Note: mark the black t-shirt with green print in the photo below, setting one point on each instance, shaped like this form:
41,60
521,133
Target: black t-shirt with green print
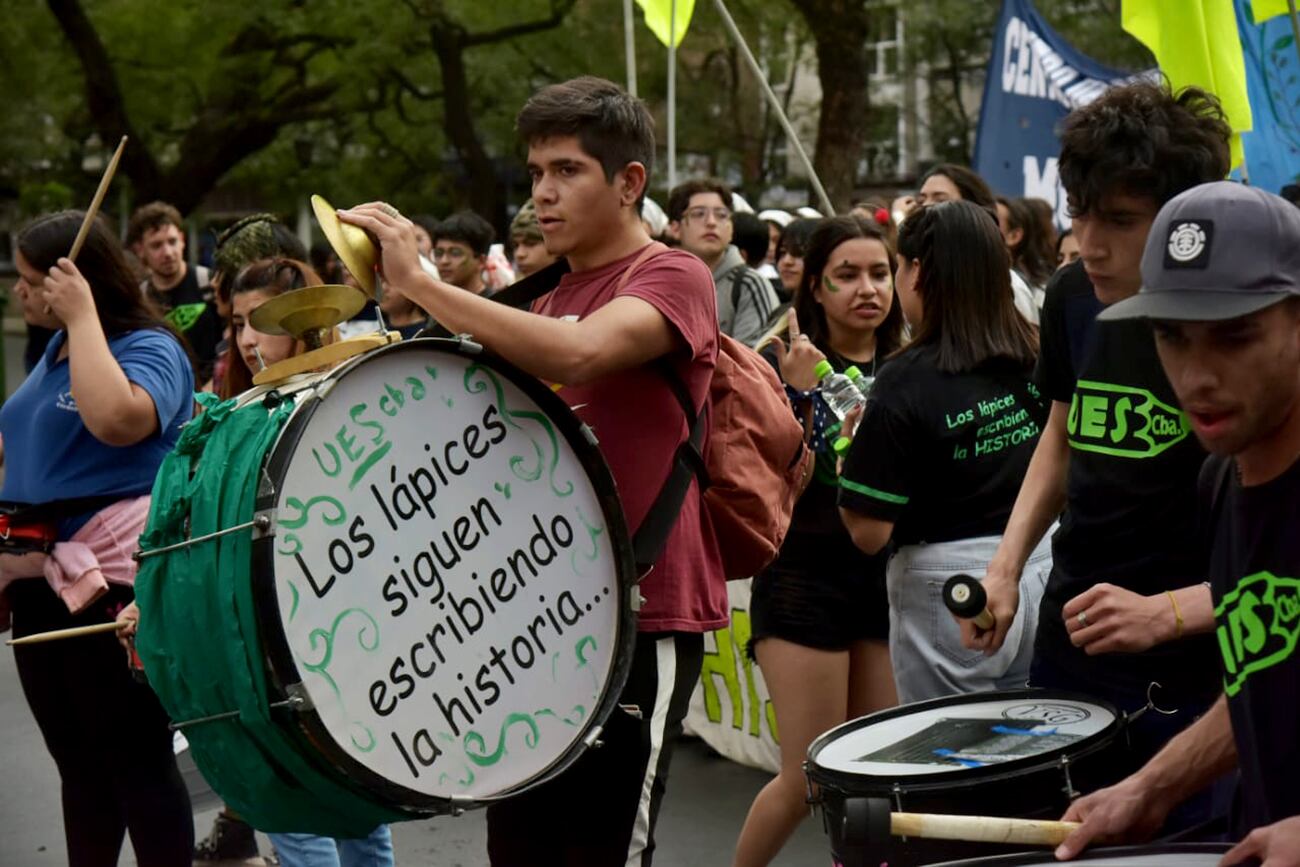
941,454
189,307
1255,576
1130,516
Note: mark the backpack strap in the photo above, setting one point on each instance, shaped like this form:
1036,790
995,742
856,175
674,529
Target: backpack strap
688,463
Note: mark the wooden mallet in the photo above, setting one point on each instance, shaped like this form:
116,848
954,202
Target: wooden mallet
964,595
868,822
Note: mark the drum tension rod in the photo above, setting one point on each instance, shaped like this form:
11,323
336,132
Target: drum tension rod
261,524
293,702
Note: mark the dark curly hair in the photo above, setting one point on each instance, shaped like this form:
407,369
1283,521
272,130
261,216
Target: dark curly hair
1142,138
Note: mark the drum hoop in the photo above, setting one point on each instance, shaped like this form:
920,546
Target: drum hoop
1044,857
859,783
284,670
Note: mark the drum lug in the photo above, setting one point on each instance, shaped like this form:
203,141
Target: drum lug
459,804
1069,789
263,524
588,434
898,801
298,699
592,741
265,487
467,344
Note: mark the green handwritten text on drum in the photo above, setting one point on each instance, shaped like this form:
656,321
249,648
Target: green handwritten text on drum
1258,626
360,448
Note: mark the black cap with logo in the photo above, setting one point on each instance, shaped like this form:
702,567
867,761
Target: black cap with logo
1216,252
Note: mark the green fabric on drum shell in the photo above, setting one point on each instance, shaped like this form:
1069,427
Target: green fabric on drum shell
198,637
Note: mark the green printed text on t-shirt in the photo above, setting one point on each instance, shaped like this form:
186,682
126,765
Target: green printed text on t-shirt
1258,626
1122,421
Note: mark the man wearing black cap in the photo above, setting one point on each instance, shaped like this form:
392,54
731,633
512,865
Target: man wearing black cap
1221,289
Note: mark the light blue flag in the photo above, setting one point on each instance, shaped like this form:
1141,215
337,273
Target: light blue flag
1273,84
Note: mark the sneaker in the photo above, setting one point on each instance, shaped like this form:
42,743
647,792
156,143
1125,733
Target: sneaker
229,840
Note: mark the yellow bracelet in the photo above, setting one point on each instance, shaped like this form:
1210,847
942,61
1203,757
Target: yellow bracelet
1178,615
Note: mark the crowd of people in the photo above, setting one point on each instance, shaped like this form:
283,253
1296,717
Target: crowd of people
1101,424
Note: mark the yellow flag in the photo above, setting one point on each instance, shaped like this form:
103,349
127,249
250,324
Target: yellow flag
659,14
1262,10
1196,43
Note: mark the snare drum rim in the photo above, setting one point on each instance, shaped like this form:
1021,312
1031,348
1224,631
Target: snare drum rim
285,671
1045,857
875,785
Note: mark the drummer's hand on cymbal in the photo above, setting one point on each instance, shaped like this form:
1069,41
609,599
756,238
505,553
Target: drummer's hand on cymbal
398,247
1115,620
129,617
1125,812
1276,845
1003,592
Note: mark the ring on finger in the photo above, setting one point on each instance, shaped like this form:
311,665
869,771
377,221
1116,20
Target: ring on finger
389,209
1082,617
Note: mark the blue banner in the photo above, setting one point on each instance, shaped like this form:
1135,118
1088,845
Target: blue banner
1273,84
1035,78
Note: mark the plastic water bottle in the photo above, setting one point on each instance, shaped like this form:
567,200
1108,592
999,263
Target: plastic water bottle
860,379
839,392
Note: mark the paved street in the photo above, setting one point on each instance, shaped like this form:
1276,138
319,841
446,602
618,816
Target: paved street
707,800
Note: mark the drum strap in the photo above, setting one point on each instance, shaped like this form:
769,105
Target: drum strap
518,295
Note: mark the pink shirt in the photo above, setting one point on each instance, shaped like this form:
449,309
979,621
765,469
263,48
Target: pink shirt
640,424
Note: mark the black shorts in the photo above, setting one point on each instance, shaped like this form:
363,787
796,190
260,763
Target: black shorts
820,600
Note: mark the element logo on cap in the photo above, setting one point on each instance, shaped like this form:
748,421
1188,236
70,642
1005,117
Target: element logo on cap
1187,242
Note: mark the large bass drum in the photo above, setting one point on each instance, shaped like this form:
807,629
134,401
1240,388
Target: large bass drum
396,589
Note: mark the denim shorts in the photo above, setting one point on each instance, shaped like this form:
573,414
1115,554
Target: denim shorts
925,641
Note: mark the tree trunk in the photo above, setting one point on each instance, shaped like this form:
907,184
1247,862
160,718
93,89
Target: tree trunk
839,29
486,192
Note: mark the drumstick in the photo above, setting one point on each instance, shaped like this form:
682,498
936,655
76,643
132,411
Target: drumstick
95,203
980,829
965,597
60,634
97,200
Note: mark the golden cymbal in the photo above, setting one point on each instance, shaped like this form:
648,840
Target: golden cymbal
305,313
354,247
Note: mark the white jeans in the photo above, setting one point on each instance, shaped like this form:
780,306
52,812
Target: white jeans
925,642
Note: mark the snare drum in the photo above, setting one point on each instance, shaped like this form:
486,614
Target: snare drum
400,588
1173,855
1019,753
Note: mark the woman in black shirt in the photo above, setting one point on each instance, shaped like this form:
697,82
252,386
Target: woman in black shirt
943,445
818,613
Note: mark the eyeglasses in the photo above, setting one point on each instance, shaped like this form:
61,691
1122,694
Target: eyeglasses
453,253
722,215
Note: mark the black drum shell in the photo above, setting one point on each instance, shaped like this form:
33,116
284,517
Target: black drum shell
1032,788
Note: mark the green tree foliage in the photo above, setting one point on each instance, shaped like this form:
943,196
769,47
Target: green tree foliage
234,106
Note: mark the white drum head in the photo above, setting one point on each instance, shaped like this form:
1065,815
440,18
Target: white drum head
946,738
446,571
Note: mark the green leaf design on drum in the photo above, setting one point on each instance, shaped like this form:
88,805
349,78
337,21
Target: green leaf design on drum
304,512
551,441
575,718
593,533
326,637
370,741
476,746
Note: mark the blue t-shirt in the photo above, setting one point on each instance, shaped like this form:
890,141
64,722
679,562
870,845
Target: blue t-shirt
49,453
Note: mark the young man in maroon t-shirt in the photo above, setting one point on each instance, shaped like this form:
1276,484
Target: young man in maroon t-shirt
590,150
